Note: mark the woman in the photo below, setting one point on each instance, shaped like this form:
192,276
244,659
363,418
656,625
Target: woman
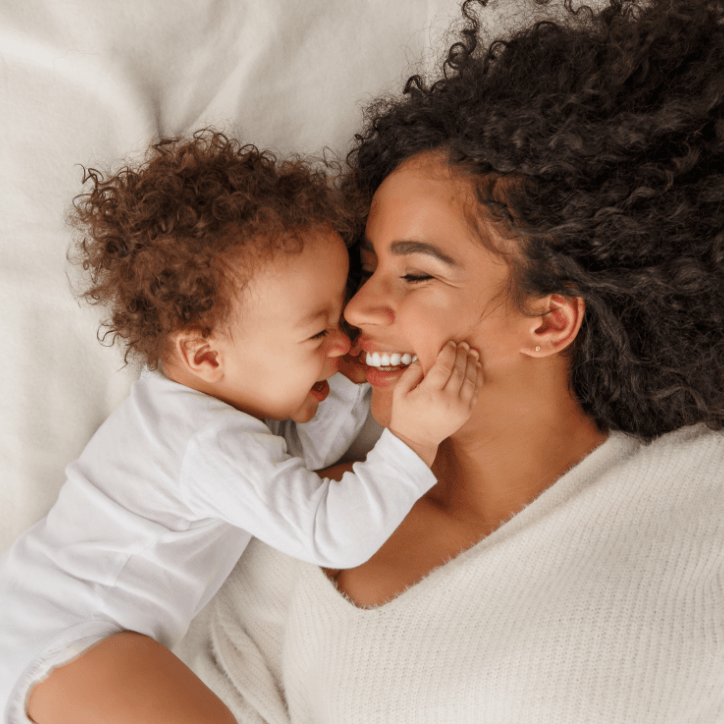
557,201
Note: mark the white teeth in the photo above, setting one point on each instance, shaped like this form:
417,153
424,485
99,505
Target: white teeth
375,359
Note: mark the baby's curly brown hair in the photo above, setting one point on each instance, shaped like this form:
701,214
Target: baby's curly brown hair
166,245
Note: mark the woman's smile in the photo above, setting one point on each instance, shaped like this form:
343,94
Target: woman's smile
385,361
383,378
381,365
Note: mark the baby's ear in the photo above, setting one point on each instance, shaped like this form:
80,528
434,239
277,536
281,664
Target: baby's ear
555,326
198,355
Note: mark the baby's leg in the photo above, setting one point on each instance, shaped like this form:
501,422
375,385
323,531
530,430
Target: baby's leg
126,679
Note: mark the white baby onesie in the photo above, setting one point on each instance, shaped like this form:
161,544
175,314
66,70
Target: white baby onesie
161,504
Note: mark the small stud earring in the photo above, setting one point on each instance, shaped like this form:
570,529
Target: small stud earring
537,349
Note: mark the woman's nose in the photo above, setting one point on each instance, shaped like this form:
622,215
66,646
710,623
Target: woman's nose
369,306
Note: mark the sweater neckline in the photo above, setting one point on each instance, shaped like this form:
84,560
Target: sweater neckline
611,451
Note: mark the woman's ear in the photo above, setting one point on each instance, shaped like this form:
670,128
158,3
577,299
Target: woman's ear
198,355
555,326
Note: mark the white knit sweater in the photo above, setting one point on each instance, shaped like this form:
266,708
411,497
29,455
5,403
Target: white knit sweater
602,602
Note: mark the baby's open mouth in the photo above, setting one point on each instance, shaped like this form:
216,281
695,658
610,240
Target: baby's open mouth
387,361
320,390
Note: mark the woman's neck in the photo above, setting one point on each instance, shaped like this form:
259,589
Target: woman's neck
523,435
507,456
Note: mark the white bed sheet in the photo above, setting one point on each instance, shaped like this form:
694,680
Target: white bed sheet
92,82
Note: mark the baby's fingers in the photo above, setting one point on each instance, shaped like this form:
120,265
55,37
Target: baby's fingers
439,374
458,374
473,379
410,378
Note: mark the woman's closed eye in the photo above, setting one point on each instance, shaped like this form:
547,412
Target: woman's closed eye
416,278
320,335
365,274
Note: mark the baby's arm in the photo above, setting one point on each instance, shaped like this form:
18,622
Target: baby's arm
326,438
254,485
129,678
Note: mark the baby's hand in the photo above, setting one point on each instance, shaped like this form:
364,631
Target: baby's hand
425,412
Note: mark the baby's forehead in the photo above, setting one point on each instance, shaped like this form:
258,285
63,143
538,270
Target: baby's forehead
298,289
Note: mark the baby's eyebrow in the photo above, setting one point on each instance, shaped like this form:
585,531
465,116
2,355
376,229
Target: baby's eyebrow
403,248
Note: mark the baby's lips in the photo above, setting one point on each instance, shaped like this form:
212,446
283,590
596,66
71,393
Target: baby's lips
352,367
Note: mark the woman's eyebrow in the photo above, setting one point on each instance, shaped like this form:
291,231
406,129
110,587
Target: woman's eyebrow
402,248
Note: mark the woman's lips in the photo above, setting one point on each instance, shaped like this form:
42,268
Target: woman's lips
382,378
356,366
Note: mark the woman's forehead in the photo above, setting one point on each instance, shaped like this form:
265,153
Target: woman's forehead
423,201
423,170
417,199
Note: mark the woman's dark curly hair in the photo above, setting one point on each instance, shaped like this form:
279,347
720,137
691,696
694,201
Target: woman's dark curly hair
596,141
166,245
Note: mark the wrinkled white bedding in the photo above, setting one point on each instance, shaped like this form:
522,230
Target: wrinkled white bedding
91,82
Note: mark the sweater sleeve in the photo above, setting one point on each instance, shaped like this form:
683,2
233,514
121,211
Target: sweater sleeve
248,480
323,440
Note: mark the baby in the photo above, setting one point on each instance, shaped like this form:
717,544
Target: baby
225,275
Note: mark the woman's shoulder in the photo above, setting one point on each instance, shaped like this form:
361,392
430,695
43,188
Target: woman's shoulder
678,477
693,451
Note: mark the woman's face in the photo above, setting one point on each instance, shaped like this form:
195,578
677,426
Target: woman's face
429,280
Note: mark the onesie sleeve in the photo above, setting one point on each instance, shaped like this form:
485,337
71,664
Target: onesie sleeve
323,440
249,480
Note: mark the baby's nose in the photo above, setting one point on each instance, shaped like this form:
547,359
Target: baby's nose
339,344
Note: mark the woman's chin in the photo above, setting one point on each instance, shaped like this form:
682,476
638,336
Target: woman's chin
381,405
383,383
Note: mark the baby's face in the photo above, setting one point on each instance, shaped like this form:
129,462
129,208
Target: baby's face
284,339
